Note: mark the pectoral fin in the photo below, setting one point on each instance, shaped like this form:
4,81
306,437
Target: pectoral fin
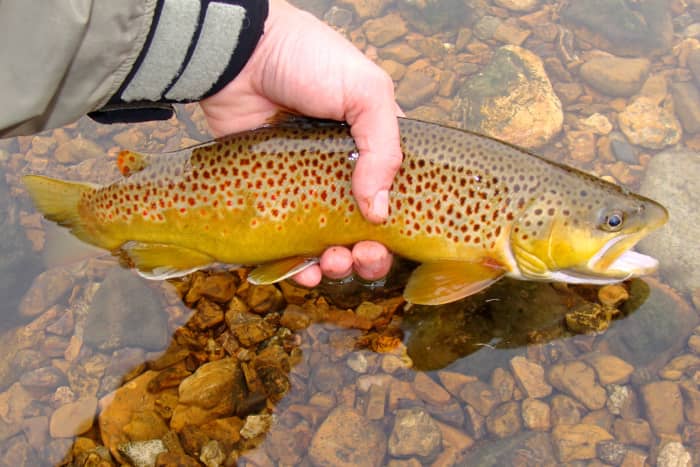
276,271
448,281
130,162
163,261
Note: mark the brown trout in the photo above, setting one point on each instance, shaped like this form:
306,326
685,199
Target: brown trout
470,208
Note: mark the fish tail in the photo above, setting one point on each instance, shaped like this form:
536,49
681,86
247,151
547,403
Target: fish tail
58,201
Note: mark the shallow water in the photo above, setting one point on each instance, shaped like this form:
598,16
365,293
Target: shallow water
520,374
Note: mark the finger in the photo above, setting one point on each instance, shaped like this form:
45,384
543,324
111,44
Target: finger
372,260
336,262
375,128
309,277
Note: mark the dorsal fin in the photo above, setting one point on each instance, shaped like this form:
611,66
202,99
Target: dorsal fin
130,162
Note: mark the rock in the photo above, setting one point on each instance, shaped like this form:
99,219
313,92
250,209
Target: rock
218,286
504,384
381,31
635,432
671,180
346,438
691,401
327,376
612,295
598,123
609,368
288,445
376,402
44,379
212,455
74,418
578,379
694,64
430,17
358,362
649,125
47,288
429,390
686,103
295,318
611,452
581,145
415,433
256,425
674,454
486,27
142,453
663,406
683,364
249,328
415,88
634,458
525,448
77,149
399,52
367,8
565,410
518,5
536,415
395,69
36,430
263,299
481,396
512,99
504,420
615,76
17,452
208,315
338,18
530,377
621,28
125,312
578,442
145,424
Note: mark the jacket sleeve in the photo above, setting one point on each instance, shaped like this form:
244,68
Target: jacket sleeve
125,60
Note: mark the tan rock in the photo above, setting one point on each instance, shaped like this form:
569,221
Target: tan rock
565,410
46,289
376,402
518,5
635,432
399,52
381,31
367,8
581,145
612,294
346,438
609,368
649,125
481,396
600,125
530,377
536,415
578,379
454,438
600,417
683,364
430,391
615,76
510,34
74,418
395,69
504,420
664,406
415,88
634,458
578,442
691,401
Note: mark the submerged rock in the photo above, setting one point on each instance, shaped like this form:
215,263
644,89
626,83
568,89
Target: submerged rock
615,76
649,125
125,312
512,99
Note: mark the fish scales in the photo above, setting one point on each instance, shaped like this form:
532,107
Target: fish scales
284,191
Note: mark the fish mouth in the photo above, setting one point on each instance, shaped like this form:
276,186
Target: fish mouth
617,259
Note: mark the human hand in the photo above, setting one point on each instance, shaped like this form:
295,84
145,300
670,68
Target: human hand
303,65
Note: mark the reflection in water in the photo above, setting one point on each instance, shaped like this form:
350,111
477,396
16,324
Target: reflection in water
209,370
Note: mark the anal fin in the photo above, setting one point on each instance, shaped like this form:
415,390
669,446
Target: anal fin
448,281
276,271
164,261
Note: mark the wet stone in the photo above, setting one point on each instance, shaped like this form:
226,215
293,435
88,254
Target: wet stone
530,377
248,328
47,288
691,401
622,150
686,103
142,453
454,382
481,396
289,445
415,88
504,384
663,405
615,76
682,365
125,312
395,69
578,379
565,410
357,361
17,452
504,420
43,379
611,452
610,369
622,400
376,402
649,125
264,299
399,52
536,415
578,442
74,418
430,391
415,433
346,438
256,425
635,432
381,31
208,315
674,454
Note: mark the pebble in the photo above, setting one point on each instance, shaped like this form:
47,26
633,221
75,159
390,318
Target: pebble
504,383
686,103
609,368
395,69
663,406
376,402
347,438
256,425
578,442
530,377
358,362
415,433
615,76
691,401
694,64
674,454
504,420
565,410
678,366
399,52
74,418
430,391
518,5
481,396
649,125
381,31
367,8
142,453
634,431
581,145
76,150
578,380
415,88
46,289
536,415
611,452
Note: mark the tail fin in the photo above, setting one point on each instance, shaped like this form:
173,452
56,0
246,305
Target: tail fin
58,201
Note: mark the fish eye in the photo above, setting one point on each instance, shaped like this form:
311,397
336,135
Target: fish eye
612,221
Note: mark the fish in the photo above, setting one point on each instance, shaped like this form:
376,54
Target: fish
469,208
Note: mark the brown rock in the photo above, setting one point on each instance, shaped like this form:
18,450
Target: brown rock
683,364
47,288
287,446
264,298
77,149
145,425
686,103
209,384
530,377
219,287
208,315
510,34
504,383
399,52
664,406
504,420
536,415
578,442
518,5
615,76
565,410
609,368
415,88
578,379
691,401
634,458
647,124
415,433
601,417
612,295
74,418
481,396
395,69
635,432
454,438
376,402
346,438
367,8
581,145
454,382
381,31
429,390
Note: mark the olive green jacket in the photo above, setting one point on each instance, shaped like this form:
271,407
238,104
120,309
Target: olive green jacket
60,59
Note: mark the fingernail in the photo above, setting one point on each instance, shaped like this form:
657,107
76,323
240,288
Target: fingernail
380,205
